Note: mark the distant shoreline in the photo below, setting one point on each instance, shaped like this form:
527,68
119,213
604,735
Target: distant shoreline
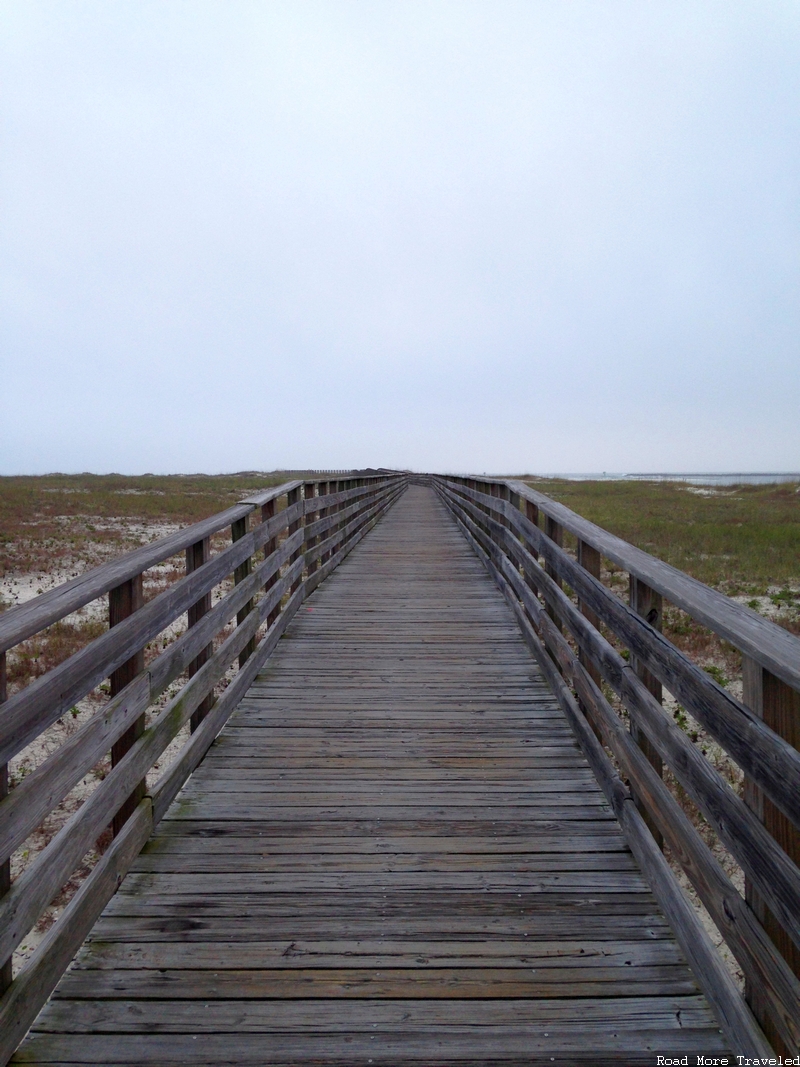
695,479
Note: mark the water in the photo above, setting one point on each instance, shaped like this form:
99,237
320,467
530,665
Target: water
692,479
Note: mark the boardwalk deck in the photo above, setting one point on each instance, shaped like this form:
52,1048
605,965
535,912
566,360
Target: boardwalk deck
395,852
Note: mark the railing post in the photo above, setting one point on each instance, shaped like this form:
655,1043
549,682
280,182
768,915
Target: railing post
292,497
6,975
532,514
647,603
238,531
502,493
309,493
515,501
330,489
555,531
122,602
196,555
343,486
779,706
486,489
322,490
267,512
589,559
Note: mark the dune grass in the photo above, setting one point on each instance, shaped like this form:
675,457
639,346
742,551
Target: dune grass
54,518
742,539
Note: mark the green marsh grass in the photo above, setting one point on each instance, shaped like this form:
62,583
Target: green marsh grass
739,539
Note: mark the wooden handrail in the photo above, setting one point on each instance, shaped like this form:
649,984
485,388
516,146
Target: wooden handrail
771,761
24,620
755,850
264,598
767,643
500,519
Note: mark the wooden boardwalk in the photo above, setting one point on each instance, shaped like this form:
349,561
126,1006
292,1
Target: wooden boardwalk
395,852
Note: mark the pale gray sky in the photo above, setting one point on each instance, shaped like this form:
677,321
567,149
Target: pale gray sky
543,236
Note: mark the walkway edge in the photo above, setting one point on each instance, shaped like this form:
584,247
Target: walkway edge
735,1018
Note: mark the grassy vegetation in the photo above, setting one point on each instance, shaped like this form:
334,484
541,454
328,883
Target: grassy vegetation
59,517
741,539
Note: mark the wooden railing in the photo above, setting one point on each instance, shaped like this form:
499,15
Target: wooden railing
519,534
306,529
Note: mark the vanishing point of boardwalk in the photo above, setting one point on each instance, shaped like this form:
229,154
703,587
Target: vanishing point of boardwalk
395,852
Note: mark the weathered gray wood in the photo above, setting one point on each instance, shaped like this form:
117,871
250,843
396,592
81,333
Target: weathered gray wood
270,548
44,700
29,712
647,603
22,1001
239,530
331,489
777,877
417,795
347,537
413,1016
196,555
40,882
749,942
455,845
294,500
192,753
317,527
339,497
779,706
383,952
555,533
123,601
589,559
777,985
310,512
739,1025
769,644
269,496
174,659
47,785
766,757
360,509
478,928
42,879
475,1047
23,621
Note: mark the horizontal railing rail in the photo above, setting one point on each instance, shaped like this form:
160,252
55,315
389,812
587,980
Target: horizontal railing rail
767,643
306,529
567,633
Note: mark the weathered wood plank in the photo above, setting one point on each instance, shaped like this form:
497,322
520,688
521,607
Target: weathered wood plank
510,1046
360,982
299,953
467,928
31,988
412,1016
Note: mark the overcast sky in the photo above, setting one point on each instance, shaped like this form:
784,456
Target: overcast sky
476,236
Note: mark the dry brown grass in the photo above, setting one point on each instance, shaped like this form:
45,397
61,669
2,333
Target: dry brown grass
47,649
